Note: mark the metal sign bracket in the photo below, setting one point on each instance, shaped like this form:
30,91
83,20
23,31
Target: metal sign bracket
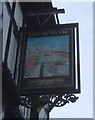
49,12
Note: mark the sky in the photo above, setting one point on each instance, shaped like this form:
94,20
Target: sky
82,13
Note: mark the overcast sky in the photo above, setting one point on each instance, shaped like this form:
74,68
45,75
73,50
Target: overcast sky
81,12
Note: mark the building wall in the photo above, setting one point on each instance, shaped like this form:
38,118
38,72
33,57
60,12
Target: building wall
43,114
6,20
18,15
13,42
13,49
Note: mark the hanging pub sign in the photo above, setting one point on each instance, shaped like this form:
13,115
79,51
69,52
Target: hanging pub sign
50,61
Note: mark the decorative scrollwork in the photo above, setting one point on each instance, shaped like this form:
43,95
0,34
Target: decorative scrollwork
52,101
40,100
26,101
61,100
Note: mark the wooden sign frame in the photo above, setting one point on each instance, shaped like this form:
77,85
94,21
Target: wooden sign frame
63,76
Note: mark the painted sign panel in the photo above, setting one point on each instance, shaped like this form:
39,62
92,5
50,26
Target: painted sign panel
49,61
47,57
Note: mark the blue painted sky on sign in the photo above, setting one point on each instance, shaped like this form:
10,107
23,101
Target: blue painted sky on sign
54,42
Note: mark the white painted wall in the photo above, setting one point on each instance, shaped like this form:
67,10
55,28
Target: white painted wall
42,114
13,44
12,53
6,20
18,15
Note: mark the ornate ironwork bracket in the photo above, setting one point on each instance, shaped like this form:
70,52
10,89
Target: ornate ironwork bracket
27,101
60,100
52,101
